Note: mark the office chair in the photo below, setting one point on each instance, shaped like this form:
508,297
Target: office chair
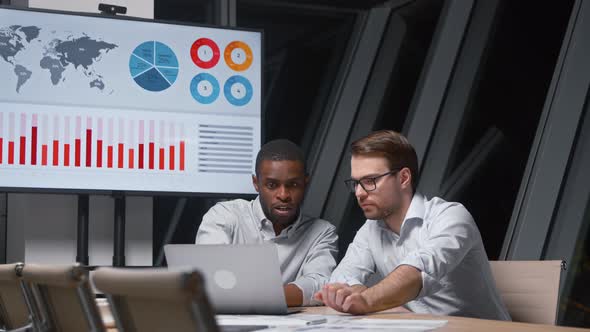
529,289
65,300
150,300
14,311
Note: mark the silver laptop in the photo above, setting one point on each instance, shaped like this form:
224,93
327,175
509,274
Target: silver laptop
239,279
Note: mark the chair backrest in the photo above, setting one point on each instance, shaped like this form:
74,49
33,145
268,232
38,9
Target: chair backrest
64,297
156,300
14,312
530,289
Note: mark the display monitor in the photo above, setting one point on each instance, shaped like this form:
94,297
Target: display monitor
94,102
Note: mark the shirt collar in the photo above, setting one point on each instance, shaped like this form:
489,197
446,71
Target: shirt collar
416,208
257,210
416,211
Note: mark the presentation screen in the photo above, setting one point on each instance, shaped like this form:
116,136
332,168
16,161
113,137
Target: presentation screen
91,102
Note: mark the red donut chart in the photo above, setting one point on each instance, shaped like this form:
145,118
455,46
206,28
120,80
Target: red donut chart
205,53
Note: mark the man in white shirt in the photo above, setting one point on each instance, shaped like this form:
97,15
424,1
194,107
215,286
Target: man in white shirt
429,253
307,246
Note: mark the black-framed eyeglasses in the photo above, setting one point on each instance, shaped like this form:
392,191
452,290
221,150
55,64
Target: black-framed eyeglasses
367,183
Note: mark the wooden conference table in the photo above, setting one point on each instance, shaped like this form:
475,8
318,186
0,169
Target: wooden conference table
454,324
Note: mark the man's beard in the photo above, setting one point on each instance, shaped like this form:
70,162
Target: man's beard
382,213
268,213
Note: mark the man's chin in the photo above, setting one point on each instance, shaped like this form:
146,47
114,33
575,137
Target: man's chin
283,220
373,216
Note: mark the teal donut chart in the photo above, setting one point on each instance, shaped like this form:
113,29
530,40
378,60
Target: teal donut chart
238,90
204,88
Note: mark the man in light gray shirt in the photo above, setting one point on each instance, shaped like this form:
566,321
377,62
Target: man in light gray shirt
429,252
307,246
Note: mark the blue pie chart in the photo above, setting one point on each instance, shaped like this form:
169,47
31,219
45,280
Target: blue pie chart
153,66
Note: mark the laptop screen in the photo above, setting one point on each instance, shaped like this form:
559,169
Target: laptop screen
239,279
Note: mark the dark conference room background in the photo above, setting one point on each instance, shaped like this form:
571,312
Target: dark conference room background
492,93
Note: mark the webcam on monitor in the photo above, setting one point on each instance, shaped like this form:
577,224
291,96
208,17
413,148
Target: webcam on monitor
111,9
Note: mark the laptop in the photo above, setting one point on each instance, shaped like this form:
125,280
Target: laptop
239,279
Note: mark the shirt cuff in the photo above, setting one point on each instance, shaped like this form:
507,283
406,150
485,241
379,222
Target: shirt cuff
342,278
308,289
430,285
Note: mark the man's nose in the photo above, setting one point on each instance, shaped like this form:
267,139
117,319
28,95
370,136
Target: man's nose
360,192
283,193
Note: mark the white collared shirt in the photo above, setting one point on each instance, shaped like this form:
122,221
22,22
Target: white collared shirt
307,248
441,240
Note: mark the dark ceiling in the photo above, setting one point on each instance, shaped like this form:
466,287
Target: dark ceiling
199,11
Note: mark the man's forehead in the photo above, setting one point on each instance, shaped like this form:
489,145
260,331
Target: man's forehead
365,166
292,167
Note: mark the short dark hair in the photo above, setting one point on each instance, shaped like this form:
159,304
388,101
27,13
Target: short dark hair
392,146
278,150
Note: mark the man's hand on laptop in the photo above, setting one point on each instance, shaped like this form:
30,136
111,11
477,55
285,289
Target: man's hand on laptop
293,295
344,298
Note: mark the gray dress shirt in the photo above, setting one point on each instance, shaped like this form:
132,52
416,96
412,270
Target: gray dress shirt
307,248
441,240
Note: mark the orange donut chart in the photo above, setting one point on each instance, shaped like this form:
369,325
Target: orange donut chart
247,52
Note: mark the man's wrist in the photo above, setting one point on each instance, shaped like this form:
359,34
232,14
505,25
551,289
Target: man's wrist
376,301
358,288
366,294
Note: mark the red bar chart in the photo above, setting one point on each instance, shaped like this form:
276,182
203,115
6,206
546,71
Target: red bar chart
54,140
67,146
10,139
44,141
1,137
34,129
23,138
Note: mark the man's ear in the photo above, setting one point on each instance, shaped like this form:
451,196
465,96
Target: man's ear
255,183
307,179
405,177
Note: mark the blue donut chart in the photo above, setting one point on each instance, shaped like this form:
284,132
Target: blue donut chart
203,99
227,90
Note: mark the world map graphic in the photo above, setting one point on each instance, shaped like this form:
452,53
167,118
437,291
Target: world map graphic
55,54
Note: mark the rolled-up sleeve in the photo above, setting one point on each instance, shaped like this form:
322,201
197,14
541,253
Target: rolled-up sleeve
446,244
216,226
318,265
358,263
